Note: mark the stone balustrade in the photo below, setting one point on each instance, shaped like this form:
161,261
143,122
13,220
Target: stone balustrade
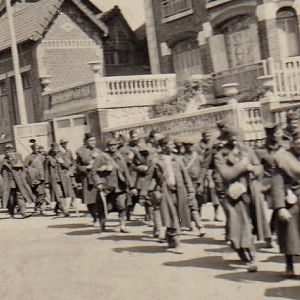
128,91
108,92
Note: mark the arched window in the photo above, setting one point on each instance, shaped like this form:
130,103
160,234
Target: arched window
241,40
288,32
186,59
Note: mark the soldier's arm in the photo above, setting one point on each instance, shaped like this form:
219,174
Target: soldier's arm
229,173
278,190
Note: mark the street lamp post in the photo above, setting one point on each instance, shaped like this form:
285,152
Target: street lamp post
16,65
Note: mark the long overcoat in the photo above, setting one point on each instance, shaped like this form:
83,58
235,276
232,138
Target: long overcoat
55,176
287,176
86,157
174,202
247,214
15,178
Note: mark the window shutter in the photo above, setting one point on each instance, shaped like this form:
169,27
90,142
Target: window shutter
218,52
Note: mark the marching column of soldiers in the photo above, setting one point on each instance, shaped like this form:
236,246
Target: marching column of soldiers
172,180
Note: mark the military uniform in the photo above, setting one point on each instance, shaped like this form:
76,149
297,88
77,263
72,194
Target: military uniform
111,178
16,191
35,165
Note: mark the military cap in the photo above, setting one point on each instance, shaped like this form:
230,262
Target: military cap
112,142
143,148
63,141
9,146
292,115
17,163
88,136
271,128
227,133
32,141
133,135
153,132
54,145
187,141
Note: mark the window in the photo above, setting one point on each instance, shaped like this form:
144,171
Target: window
241,40
288,32
79,121
25,76
63,123
117,57
173,7
186,59
3,90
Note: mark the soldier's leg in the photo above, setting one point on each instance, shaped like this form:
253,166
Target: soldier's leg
11,203
40,197
121,207
289,265
21,203
195,215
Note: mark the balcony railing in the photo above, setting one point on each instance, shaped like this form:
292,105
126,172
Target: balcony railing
109,92
286,76
246,76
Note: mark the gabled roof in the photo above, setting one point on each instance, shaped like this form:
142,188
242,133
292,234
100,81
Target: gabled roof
32,21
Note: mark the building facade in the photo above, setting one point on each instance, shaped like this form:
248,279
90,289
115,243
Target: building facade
225,38
57,41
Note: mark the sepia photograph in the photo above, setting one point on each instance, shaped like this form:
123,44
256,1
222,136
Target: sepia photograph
149,149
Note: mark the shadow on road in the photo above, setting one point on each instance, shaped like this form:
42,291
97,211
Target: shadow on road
210,262
141,249
261,276
292,292
202,241
70,226
279,258
120,238
87,232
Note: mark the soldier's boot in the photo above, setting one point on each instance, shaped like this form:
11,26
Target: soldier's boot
149,214
64,207
217,213
123,228
158,230
289,271
252,264
102,225
196,218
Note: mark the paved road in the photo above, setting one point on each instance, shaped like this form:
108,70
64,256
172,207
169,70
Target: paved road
57,258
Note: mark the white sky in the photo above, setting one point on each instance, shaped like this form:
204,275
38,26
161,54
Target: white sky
133,10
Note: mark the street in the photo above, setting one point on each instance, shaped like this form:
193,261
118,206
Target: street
55,258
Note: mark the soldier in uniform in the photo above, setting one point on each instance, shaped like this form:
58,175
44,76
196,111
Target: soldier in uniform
285,193
68,156
192,162
86,156
57,180
266,155
35,164
174,189
16,191
111,178
239,168
128,151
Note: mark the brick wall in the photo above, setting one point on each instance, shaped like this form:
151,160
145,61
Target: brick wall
71,42
168,31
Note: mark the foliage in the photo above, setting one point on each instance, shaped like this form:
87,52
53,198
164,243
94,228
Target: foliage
179,102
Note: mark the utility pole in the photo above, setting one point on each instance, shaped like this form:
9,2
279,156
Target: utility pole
16,65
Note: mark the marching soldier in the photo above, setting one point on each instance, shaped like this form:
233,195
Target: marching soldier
16,191
111,178
192,163
285,195
174,189
239,168
86,156
35,163
57,180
